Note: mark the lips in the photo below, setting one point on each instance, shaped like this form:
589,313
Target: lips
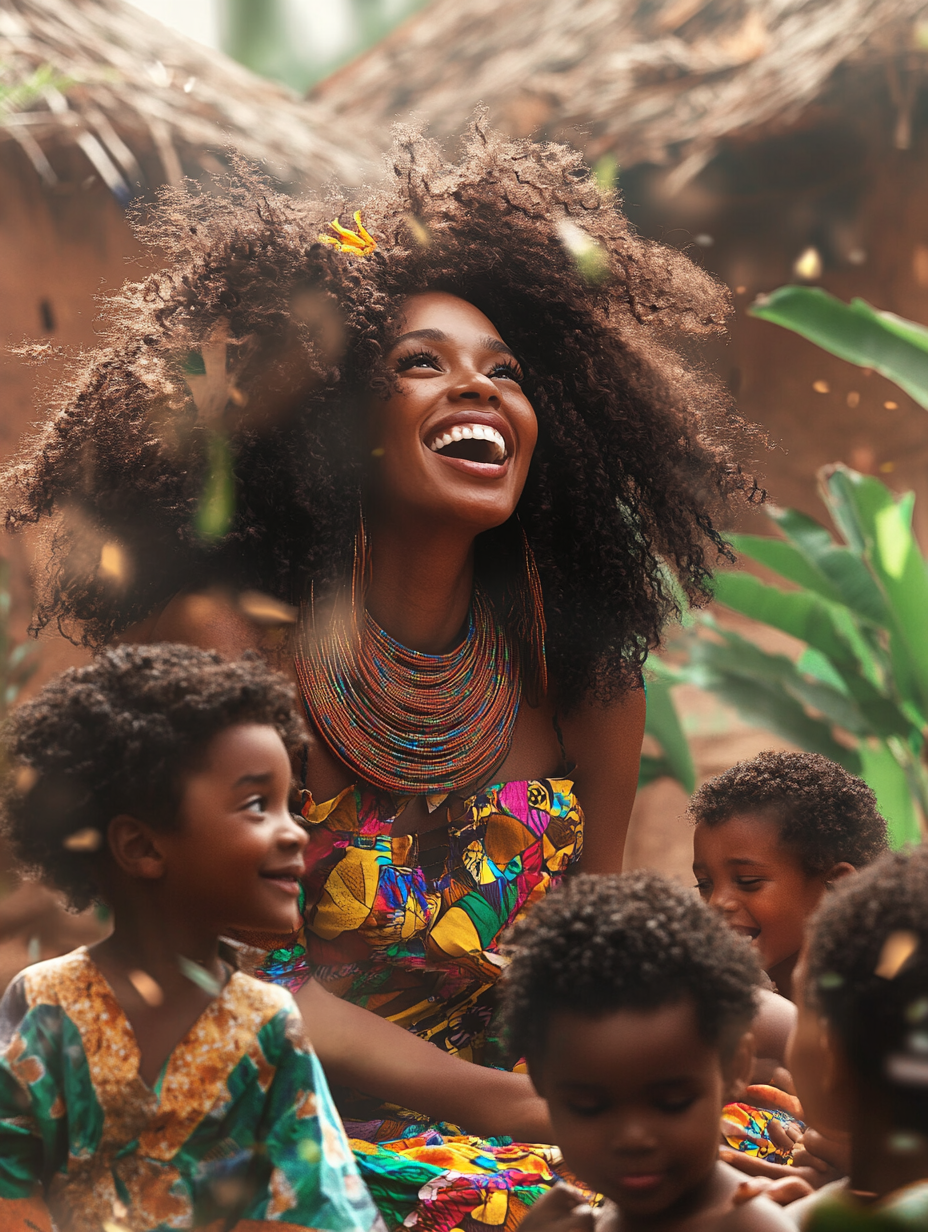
640,1182
286,879
743,931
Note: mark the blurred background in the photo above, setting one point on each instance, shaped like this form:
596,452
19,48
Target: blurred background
778,142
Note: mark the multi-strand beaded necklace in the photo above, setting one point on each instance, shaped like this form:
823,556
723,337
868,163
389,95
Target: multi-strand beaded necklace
407,722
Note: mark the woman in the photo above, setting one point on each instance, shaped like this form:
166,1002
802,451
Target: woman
458,443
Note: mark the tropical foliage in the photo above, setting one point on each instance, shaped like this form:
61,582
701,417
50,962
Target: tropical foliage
858,601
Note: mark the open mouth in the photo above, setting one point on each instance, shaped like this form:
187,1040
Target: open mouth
287,881
470,443
743,931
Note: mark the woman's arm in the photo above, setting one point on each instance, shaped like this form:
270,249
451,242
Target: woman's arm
360,1049
605,744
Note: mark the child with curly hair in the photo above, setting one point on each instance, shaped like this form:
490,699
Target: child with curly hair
633,1004
771,836
859,1051
145,1082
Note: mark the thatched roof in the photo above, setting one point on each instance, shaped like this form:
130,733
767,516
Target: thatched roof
659,81
148,106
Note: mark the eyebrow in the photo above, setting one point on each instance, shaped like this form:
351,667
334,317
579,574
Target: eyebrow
489,343
253,778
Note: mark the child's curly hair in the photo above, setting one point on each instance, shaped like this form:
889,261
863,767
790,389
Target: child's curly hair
625,941
633,466
118,736
826,816
876,1004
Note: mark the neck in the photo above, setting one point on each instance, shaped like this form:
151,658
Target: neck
881,1161
152,936
421,585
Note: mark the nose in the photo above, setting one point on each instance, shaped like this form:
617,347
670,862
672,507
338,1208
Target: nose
722,900
631,1135
476,387
291,834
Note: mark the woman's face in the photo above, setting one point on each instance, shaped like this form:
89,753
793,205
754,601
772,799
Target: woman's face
452,444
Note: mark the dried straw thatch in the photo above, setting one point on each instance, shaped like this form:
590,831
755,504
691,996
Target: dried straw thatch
659,81
147,106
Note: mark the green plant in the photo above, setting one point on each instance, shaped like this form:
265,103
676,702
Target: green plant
18,660
664,727
859,603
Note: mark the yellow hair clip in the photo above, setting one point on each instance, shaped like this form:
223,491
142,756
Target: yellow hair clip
361,244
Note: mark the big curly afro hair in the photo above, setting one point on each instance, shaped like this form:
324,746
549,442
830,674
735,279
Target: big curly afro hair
117,737
826,816
866,972
258,347
624,941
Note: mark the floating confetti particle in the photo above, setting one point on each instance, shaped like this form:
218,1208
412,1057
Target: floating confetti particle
113,562
378,452
88,839
830,980
741,290
217,503
148,989
199,975
34,949
419,231
920,264
265,609
891,406
821,387
309,1152
26,779
606,172
917,1011
808,265
887,468
897,949
918,1042
901,1143
909,1071
704,240
857,256
590,258
853,398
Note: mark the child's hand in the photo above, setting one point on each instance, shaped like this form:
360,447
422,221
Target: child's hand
829,1156
562,1209
784,1191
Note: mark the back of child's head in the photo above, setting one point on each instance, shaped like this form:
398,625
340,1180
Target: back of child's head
632,941
866,973
119,736
826,816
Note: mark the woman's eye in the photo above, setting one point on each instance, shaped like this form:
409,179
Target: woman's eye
508,372
421,359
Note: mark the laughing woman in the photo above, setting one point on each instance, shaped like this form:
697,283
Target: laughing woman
456,440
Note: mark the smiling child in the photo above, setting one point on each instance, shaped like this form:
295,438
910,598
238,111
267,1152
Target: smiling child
632,1004
145,1083
772,835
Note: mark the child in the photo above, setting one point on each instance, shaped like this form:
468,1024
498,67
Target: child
144,1083
859,1052
632,1004
772,834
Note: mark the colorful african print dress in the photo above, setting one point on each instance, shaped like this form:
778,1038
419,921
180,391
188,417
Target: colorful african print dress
415,938
239,1131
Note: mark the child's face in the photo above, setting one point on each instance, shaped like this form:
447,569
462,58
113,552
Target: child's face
635,1098
762,891
235,857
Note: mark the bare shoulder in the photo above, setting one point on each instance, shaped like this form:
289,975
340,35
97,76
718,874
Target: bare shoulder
210,619
620,721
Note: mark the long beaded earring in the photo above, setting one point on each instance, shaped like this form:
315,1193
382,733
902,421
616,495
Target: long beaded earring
360,574
528,613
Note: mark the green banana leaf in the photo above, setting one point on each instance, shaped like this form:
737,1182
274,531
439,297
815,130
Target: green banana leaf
867,510
663,725
896,348
890,784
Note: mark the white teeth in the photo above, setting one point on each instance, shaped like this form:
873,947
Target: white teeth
468,432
